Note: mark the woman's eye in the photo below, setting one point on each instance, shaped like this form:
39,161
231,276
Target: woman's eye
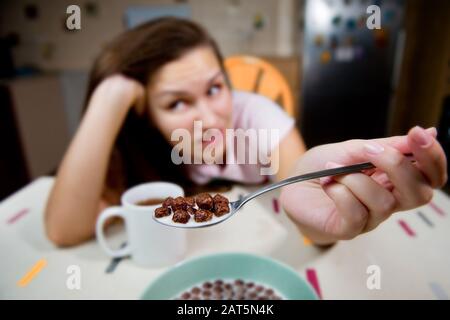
177,105
215,89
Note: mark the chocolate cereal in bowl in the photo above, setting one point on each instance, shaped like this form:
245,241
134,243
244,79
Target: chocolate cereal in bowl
230,276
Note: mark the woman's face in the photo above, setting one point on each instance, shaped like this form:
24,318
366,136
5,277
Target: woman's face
192,88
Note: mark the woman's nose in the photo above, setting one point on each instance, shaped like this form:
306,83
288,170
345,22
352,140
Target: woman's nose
206,114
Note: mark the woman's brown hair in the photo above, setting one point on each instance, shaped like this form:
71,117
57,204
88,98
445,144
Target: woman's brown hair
141,153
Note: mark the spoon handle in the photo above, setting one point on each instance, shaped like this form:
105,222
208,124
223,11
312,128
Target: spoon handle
313,175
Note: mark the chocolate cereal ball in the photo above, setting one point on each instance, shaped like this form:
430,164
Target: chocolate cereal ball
181,216
202,215
162,212
190,201
221,205
220,209
179,203
204,201
220,199
168,202
186,296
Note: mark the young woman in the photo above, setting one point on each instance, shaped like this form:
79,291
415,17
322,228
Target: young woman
166,75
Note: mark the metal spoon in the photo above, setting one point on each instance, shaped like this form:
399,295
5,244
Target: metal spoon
236,205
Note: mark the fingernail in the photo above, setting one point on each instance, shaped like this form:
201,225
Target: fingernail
421,137
432,131
373,148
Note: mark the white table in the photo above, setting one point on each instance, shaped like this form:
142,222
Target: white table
413,266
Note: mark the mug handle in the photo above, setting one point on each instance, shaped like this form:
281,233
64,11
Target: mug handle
108,213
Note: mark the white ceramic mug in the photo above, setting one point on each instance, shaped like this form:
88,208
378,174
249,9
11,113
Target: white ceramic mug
149,243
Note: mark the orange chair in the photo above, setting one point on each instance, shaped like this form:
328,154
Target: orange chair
253,74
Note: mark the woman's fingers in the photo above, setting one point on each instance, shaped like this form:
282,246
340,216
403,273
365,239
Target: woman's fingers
364,200
429,156
383,180
354,148
410,187
401,142
361,201
351,215
379,202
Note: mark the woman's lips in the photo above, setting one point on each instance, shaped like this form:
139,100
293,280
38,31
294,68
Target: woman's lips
214,139
205,143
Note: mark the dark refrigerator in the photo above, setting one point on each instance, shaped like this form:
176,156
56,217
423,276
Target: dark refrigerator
349,71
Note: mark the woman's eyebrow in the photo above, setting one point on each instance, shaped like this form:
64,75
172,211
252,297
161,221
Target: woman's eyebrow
211,80
172,93
185,93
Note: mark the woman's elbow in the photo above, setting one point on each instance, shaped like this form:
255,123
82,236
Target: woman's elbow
58,233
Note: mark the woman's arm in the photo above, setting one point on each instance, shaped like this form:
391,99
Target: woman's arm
291,148
75,199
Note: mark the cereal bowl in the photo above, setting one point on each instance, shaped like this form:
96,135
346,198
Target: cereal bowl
239,270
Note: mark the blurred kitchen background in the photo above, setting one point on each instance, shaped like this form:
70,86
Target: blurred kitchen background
347,81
